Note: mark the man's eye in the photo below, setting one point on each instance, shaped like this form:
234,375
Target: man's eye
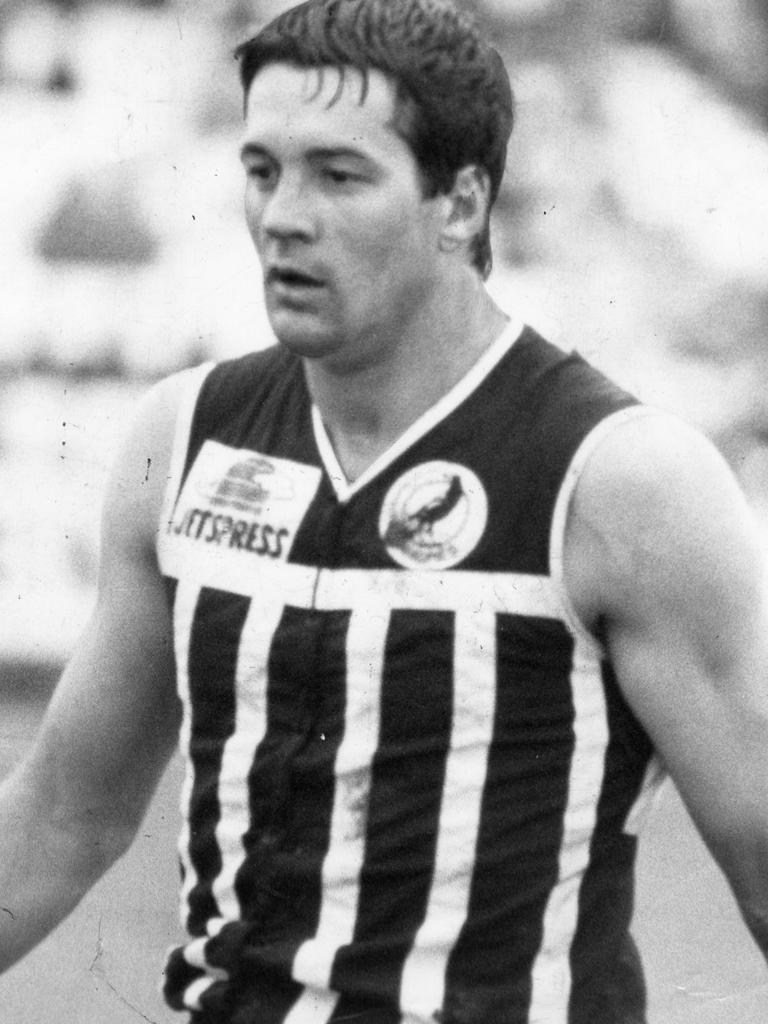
339,177
261,172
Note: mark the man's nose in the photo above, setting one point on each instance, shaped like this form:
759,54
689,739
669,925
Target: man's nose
288,210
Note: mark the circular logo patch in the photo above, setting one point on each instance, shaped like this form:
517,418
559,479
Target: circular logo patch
433,516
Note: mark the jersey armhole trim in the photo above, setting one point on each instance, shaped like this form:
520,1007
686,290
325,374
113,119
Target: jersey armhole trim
571,479
182,428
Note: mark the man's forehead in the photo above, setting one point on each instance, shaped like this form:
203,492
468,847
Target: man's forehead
281,85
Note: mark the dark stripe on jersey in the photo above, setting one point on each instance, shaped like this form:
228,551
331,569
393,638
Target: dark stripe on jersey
358,1011
408,772
291,780
517,853
291,788
218,623
252,996
616,992
256,992
319,538
170,583
178,975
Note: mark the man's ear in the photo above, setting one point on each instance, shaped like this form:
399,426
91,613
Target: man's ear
468,203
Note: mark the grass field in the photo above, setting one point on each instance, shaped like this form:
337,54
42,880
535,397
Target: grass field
102,965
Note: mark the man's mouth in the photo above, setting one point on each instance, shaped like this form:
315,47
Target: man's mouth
291,277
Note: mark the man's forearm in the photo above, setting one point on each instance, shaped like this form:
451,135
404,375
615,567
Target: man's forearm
47,864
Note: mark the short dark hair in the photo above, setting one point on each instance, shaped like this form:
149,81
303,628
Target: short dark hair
455,105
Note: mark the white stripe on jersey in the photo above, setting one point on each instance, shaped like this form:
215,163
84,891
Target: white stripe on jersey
474,703
451,591
250,726
194,992
183,613
195,956
313,1006
366,640
551,973
185,604
302,586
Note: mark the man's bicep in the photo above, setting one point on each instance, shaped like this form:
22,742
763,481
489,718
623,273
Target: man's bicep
702,700
682,599
696,675
112,721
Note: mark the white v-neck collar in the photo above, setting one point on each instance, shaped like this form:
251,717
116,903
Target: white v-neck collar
422,425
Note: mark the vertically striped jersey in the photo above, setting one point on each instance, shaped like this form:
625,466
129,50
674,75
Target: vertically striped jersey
411,779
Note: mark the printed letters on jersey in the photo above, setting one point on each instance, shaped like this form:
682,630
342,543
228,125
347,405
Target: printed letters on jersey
240,501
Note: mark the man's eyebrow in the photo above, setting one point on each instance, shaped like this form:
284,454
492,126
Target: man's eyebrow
251,149
329,152
314,152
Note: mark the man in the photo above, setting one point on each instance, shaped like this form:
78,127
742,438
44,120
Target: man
432,593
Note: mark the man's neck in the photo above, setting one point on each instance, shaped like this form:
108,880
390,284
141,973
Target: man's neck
367,408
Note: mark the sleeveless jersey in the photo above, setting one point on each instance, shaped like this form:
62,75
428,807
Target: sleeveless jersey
411,779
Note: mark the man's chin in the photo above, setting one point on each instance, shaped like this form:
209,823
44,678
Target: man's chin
311,344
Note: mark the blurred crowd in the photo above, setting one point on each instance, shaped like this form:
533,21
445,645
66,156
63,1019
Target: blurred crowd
633,225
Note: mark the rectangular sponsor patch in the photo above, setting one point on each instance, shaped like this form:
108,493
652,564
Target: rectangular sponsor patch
242,503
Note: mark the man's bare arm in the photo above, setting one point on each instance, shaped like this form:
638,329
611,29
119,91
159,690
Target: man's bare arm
73,806
663,553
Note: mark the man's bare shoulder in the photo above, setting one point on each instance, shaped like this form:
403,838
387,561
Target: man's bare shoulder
142,465
656,513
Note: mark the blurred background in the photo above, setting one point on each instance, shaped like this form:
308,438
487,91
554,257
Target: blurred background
633,225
